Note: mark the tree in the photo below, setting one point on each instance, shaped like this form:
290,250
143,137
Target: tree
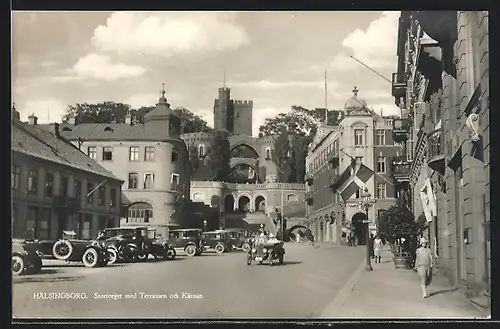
299,146
218,157
104,112
191,122
194,160
280,155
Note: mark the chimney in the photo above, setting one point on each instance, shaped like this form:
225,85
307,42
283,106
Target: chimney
15,114
32,119
71,119
128,118
54,128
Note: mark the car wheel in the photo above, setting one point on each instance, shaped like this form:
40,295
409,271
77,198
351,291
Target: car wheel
90,258
18,265
142,256
113,256
103,261
171,254
62,250
219,248
245,247
190,250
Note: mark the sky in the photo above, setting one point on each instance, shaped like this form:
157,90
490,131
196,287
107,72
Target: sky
276,59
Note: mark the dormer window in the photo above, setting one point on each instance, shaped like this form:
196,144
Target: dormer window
66,129
108,129
268,153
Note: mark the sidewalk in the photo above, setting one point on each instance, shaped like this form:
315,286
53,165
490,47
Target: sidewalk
389,293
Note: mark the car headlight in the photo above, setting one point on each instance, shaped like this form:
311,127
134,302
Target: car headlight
264,250
254,250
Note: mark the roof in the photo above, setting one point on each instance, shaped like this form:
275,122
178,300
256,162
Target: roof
40,143
162,110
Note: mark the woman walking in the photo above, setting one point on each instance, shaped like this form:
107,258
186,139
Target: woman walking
423,265
377,248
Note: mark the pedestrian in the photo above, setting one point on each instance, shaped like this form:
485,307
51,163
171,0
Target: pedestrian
377,248
370,243
423,265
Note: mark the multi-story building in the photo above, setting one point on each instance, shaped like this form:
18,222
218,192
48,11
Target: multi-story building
56,187
366,137
253,195
442,84
150,157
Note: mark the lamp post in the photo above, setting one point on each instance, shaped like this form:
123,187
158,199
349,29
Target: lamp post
366,205
205,225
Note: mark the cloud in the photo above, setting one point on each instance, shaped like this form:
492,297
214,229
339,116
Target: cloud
260,115
168,34
151,98
102,67
375,46
266,84
47,110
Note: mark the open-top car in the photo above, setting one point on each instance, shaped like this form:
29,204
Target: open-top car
70,249
240,238
266,252
23,260
219,240
186,240
132,243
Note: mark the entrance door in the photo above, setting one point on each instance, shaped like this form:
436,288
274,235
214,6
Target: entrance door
459,226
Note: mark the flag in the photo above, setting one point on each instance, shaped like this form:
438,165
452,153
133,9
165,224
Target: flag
345,176
428,200
352,179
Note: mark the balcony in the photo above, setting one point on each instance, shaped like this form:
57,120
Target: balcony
401,169
66,204
435,151
309,198
401,130
333,159
309,179
398,86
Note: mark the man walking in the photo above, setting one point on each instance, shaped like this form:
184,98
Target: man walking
423,265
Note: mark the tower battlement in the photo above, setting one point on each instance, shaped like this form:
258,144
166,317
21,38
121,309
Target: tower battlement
225,89
240,102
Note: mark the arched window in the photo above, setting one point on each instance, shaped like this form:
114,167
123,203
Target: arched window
201,150
141,212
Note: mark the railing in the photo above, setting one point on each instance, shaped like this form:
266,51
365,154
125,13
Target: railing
333,158
435,144
401,129
236,186
401,167
398,85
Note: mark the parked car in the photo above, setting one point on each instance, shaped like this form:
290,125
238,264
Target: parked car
24,261
189,241
219,240
133,243
68,248
240,238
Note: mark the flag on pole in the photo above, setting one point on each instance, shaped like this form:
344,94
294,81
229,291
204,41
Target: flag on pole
353,179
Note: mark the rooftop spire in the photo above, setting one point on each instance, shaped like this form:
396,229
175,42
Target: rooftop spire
355,91
224,82
163,99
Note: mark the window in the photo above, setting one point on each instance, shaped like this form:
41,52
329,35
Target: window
133,153
112,198
149,153
90,197
77,190
381,165
175,156
358,137
32,181
149,180
201,150
359,160
92,152
16,172
268,153
107,153
43,225
86,227
174,182
141,212
381,191
133,178
64,186
380,136
49,185
101,195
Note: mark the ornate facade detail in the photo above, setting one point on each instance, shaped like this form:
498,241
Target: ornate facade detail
471,123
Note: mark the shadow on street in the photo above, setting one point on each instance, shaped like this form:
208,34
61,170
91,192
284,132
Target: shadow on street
444,291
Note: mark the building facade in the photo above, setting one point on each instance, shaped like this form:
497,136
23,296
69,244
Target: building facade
151,158
442,84
366,137
56,187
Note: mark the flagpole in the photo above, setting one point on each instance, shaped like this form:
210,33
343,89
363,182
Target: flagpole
90,193
326,99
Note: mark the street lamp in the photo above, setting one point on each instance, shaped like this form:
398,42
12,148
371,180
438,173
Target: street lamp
205,225
366,205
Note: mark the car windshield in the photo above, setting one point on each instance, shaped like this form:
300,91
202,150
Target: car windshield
191,234
235,234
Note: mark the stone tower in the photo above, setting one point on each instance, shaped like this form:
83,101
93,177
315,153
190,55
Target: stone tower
235,116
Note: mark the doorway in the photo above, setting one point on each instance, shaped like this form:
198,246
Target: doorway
359,228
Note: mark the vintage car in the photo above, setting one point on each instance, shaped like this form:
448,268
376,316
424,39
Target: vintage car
266,252
240,238
133,243
68,248
219,240
186,240
24,261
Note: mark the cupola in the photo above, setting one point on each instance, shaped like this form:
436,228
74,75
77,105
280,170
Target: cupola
162,117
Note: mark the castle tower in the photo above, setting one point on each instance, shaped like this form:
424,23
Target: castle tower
223,111
243,117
